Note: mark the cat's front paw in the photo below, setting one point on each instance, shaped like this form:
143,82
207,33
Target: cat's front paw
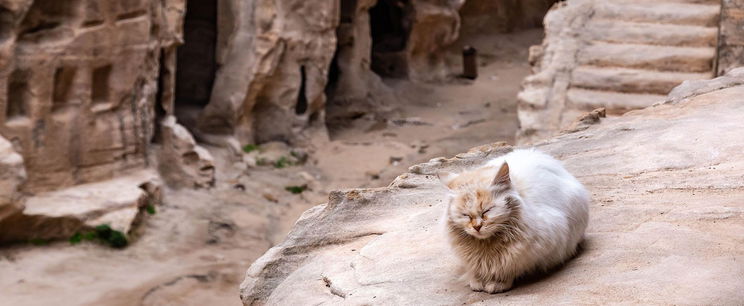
476,285
496,287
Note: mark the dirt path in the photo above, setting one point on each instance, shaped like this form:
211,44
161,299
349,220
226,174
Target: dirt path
196,248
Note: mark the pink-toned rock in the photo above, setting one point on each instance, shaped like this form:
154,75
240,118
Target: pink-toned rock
665,222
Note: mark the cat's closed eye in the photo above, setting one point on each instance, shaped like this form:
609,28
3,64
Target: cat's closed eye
485,211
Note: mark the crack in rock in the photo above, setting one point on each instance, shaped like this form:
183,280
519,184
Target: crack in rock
333,289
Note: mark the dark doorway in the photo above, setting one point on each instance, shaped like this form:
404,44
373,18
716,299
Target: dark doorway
390,26
196,65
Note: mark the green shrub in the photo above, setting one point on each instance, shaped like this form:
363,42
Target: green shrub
150,209
103,234
250,148
296,189
282,162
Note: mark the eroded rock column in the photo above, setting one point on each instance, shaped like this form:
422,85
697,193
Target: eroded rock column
271,86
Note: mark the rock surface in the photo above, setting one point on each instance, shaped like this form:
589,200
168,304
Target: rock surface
60,214
621,55
731,37
271,85
182,162
665,224
79,81
12,175
353,87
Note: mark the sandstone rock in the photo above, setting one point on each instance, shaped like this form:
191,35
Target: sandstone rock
389,38
665,224
79,80
697,87
12,175
731,38
60,214
353,88
182,162
485,16
271,85
586,120
621,55
435,25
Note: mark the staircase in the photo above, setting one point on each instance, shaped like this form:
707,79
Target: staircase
617,54
639,50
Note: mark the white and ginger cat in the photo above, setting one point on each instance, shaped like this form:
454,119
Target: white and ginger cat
519,213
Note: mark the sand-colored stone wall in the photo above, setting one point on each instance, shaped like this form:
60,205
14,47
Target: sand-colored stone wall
731,36
79,80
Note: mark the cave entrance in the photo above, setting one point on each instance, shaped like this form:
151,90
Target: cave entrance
196,61
390,25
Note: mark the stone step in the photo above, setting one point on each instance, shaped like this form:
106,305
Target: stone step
659,12
652,33
709,2
631,80
615,102
663,58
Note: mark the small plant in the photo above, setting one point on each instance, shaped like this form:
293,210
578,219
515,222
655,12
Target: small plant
150,209
261,161
282,162
103,234
250,148
296,189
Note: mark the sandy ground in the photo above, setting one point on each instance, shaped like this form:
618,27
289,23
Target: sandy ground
196,248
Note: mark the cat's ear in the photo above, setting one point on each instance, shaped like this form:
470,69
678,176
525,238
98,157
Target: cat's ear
502,177
446,177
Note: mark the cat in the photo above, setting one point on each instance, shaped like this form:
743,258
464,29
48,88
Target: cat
519,213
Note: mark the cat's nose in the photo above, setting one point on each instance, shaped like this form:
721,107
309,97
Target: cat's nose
477,227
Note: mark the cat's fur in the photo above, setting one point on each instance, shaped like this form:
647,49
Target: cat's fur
519,213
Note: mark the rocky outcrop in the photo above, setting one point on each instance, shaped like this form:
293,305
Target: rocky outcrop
666,215
181,162
485,16
59,214
621,55
387,38
353,87
271,85
79,95
435,25
79,84
12,175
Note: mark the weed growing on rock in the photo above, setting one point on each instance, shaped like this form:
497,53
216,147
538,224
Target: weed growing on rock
250,148
296,189
103,234
150,209
282,162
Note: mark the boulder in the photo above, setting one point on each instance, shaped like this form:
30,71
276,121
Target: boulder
665,222
59,214
182,162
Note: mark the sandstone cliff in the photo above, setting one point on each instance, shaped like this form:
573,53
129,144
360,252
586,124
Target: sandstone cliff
666,216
